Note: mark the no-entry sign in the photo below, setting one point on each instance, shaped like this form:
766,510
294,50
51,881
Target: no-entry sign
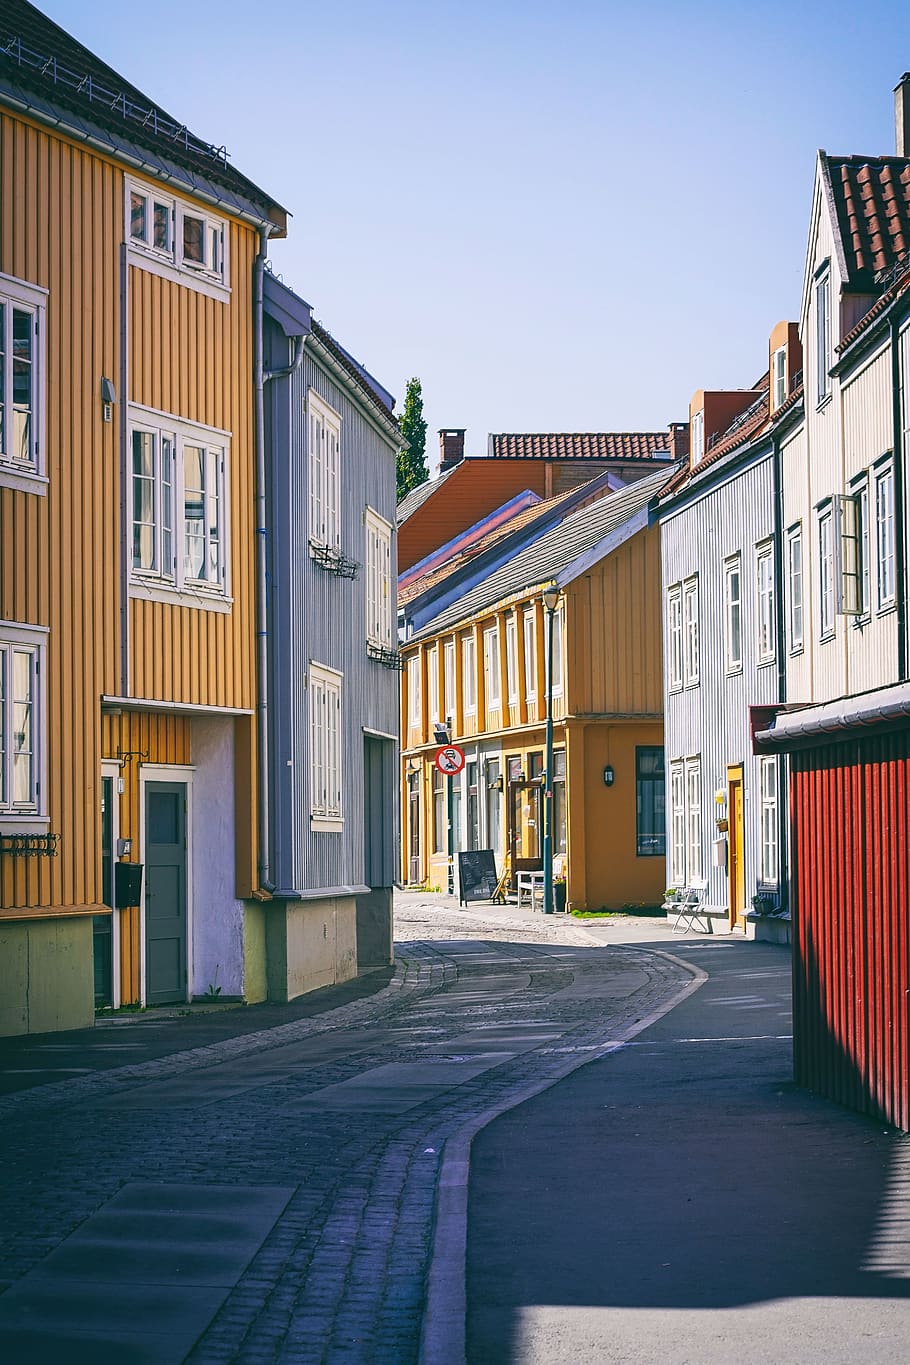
449,759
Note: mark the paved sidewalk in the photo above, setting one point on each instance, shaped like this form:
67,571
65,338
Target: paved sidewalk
681,1202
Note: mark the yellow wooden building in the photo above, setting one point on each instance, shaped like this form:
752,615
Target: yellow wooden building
128,585
481,664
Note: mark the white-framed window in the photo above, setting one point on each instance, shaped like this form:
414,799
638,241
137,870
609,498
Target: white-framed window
23,351
674,637
468,674
825,572
733,615
694,861
414,691
557,650
177,239
690,631
179,527
848,555
324,427
698,437
677,823
779,377
512,659
823,335
449,678
861,498
884,536
433,686
325,686
23,724
769,822
379,603
530,644
795,586
764,588
491,681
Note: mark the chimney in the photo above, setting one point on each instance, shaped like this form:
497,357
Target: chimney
902,115
451,448
679,440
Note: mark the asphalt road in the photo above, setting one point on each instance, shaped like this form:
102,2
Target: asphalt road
242,1193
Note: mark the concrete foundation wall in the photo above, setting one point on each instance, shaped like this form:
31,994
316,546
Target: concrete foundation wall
46,976
255,976
310,944
374,930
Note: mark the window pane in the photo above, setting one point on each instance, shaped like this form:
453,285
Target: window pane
213,568
144,529
138,210
23,756
23,326
162,227
194,239
194,511
3,429
649,795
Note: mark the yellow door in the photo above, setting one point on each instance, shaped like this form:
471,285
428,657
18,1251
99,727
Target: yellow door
736,843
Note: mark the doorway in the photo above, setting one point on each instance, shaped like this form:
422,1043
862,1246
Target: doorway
736,847
165,892
103,925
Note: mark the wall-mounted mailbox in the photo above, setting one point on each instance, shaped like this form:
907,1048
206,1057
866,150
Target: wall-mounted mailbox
719,849
127,884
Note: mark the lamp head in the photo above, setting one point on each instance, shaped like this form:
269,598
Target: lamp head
551,597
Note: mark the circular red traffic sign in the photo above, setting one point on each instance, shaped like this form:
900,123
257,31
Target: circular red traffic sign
449,759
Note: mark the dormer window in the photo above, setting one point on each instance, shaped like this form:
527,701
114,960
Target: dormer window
177,240
698,437
779,378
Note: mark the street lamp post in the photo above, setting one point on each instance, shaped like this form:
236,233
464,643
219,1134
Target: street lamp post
443,735
550,603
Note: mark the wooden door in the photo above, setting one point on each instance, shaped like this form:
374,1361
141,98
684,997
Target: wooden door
736,847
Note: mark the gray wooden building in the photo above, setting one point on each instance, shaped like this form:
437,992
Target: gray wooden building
721,570
332,694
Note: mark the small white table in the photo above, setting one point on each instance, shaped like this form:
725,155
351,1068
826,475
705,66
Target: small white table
530,883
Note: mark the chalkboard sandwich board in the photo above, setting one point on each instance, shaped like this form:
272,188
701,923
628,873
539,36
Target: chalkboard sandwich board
477,877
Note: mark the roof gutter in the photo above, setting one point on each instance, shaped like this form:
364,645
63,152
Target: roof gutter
832,721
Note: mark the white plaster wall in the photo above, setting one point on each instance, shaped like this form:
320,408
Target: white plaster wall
217,914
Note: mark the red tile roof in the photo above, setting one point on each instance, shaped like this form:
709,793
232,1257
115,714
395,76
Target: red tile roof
870,198
586,445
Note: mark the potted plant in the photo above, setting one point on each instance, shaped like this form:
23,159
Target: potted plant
559,894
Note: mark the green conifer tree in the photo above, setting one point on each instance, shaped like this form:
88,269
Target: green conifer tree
411,467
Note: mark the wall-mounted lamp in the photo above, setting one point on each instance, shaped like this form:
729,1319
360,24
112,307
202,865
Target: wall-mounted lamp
497,786
108,399
608,775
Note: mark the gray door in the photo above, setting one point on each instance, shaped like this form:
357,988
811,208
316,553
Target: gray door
165,892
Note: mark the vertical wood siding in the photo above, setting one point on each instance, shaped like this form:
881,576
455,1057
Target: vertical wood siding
61,210
712,718
850,812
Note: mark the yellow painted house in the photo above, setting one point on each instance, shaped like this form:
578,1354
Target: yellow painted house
481,663
128,589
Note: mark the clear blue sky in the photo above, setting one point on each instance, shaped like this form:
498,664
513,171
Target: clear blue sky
562,217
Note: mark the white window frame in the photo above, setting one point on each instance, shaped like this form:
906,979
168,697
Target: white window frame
557,651
529,629
449,679
764,596
379,603
795,587
512,659
171,581
324,467
768,790
26,474
491,680
677,832
886,582
469,674
326,756
694,834
698,437
30,815
432,657
823,337
826,602
414,692
733,613
690,631
211,274
779,377
674,638
848,555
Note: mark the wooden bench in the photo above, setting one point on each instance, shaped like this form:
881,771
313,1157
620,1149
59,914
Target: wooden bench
687,906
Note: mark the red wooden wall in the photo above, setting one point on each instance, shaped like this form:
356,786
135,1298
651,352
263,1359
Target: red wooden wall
850,814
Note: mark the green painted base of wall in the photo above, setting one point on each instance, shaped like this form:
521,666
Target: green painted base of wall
255,956
46,976
310,944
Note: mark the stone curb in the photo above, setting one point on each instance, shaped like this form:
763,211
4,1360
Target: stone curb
443,1336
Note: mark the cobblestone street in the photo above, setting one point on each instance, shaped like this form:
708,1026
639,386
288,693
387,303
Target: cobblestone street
271,1196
